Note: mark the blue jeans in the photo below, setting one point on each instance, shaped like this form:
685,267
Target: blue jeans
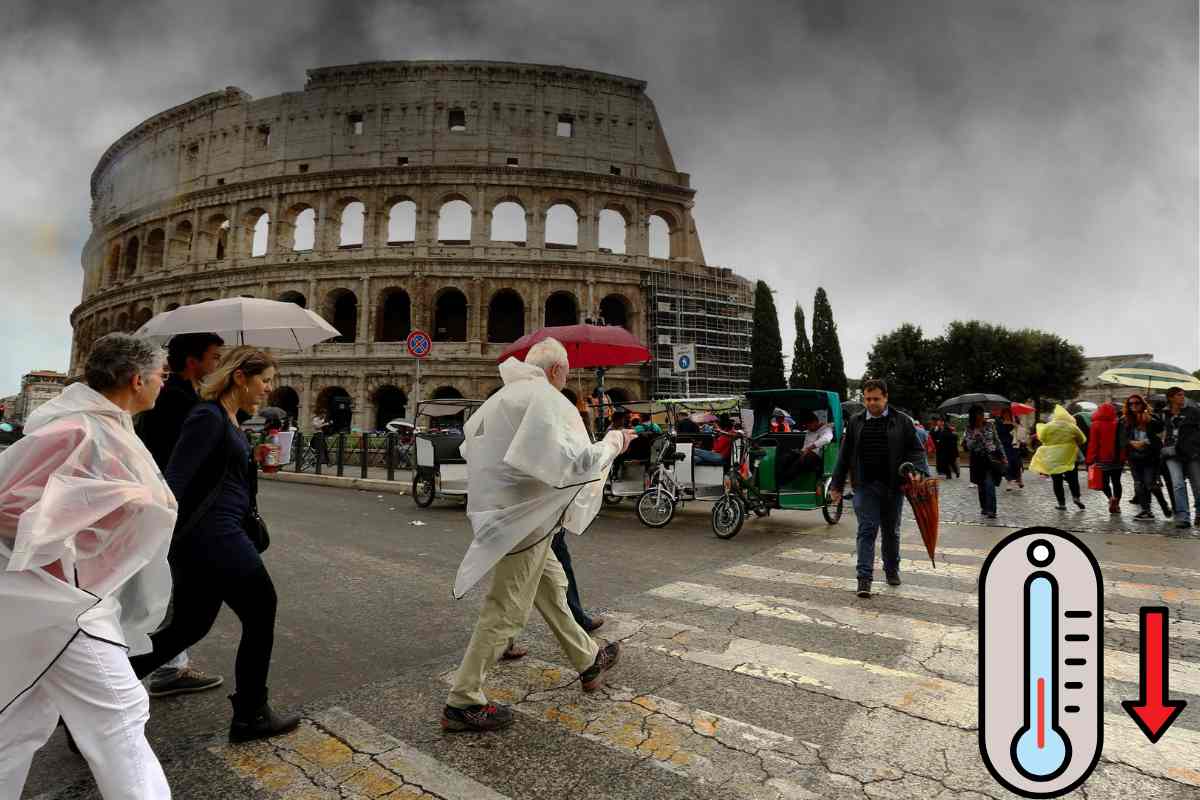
987,493
1180,473
876,506
559,546
706,458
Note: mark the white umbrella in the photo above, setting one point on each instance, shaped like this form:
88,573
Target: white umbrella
244,320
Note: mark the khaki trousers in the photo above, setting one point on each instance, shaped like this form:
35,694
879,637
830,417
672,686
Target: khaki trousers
520,582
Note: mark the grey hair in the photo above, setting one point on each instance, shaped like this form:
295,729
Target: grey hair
117,357
547,353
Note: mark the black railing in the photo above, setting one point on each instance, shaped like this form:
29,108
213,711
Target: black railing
383,451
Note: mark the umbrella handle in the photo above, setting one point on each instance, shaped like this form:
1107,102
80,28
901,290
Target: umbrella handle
907,470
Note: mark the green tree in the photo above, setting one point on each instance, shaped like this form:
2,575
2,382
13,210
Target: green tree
973,357
908,362
828,368
802,371
766,344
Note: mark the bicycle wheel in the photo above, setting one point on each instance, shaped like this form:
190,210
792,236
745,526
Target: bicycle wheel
422,491
831,513
655,508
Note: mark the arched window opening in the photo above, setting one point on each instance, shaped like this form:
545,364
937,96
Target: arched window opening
353,216
612,232
454,223
113,268
337,407
141,318
391,403
152,261
131,256
614,310
395,316
660,237
457,120
446,393
506,317
561,309
508,223
122,325
259,234
287,399
171,306
402,223
562,227
304,232
180,248
341,311
450,317
294,297
222,240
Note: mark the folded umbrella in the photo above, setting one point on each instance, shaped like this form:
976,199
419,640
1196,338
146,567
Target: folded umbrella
244,320
922,494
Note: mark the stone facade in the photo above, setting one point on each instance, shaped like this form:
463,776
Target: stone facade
1096,391
36,388
352,186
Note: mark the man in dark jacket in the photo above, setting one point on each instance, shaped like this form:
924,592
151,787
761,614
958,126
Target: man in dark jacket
876,443
1181,454
190,357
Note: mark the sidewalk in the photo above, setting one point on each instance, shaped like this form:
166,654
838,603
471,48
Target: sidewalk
376,480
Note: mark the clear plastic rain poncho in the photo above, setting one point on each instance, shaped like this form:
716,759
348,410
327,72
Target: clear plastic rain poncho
1060,439
530,461
81,496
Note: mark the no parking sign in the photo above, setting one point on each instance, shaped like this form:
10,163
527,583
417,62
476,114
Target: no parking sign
419,344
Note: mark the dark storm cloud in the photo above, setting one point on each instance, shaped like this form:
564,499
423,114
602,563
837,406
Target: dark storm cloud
1027,162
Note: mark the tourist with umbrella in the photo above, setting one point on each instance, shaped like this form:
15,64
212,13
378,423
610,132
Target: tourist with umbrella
1060,441
1143,452
1106,452
988,459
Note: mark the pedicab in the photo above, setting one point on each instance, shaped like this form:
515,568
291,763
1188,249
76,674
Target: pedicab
441,471
751,485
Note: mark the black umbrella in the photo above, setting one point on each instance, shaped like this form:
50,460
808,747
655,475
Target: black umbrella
963,403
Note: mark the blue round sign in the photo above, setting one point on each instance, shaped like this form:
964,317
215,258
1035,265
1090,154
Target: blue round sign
419,344
685,362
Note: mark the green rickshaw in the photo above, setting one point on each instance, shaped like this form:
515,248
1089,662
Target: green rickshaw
752,484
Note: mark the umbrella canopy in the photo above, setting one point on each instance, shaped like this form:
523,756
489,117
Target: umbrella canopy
962,403
244,320
587,345
1082,405
1021,409
1150,375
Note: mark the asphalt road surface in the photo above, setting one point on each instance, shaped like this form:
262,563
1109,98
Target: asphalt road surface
749,668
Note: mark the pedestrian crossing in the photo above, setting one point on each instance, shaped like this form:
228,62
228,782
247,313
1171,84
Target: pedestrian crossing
773,642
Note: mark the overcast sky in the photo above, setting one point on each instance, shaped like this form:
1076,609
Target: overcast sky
1024,162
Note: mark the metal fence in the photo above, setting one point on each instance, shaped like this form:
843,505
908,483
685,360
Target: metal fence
338,454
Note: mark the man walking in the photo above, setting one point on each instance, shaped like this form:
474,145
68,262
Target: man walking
190,357
533,471
1181,455
876,443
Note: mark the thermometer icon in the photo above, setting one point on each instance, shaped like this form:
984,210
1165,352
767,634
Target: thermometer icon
1040,662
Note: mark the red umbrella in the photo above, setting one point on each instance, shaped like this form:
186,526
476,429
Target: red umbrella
1020,409
587,345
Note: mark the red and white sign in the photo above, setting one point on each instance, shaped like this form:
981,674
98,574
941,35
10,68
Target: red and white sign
419,344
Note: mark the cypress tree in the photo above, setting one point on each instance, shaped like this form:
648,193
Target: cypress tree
828,369
802,370
766,345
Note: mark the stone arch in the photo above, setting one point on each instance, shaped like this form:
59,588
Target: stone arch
132,247
122,323
113,268
562,225
256,230
156,241
353,218
506,317
446,392
390,402
214,237
294,297
561,309
662,228
613,231
297,229
454,220
336,405
508,221
143,316
180,248
288,399
340,309
615,310
395,315
402,221
450,316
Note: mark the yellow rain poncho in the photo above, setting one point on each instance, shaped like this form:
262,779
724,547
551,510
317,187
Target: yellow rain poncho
1061,440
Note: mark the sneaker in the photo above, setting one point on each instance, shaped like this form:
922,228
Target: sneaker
1144,514
1182,523
185,681
990,515
491,717
893,579
593,677
1061,507
1196,522
864,587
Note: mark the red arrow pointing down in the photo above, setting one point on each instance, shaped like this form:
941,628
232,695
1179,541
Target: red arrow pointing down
1153,711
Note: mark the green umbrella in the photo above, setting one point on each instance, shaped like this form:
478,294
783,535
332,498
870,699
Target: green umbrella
1151,375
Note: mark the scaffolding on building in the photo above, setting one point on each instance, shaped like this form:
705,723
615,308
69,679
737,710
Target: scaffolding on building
710,307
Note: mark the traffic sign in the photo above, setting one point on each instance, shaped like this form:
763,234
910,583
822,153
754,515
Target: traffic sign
419,344
685,358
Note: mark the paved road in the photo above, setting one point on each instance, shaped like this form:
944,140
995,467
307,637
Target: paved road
749,670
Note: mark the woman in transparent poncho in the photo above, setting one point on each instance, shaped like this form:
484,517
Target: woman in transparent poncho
85,523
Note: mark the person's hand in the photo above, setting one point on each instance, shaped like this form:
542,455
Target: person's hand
627,437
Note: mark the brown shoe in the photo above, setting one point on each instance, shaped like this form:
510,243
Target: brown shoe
595,624
513,652
593,677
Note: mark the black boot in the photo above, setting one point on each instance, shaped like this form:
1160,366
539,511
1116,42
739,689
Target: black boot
256,720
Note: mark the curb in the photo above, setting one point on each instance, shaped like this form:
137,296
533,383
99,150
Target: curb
363,484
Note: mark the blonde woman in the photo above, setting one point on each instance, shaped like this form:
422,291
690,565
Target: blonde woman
213,557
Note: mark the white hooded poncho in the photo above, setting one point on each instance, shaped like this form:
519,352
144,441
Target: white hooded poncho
530,461
81,492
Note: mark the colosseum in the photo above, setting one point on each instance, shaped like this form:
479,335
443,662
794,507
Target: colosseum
475,200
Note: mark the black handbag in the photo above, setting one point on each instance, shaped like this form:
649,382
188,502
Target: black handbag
256,529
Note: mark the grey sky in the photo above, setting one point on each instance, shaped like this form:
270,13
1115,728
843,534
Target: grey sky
1018,161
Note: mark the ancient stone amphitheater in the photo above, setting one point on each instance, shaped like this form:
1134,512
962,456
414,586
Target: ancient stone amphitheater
475,200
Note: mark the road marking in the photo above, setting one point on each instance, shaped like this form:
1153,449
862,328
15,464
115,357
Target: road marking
1180,629
953,648
336,755
1170,595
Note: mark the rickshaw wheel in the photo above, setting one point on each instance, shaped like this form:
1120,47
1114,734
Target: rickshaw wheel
422,491
831,513
652,513
728,516
611,499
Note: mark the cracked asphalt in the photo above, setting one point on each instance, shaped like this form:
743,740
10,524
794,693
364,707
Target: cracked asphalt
748,668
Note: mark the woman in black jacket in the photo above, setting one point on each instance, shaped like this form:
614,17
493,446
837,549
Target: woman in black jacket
988,462
1144,450
213,558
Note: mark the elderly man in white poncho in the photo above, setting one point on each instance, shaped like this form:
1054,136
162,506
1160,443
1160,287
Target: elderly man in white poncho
533,468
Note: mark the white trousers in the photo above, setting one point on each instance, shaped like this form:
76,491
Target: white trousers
93,688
